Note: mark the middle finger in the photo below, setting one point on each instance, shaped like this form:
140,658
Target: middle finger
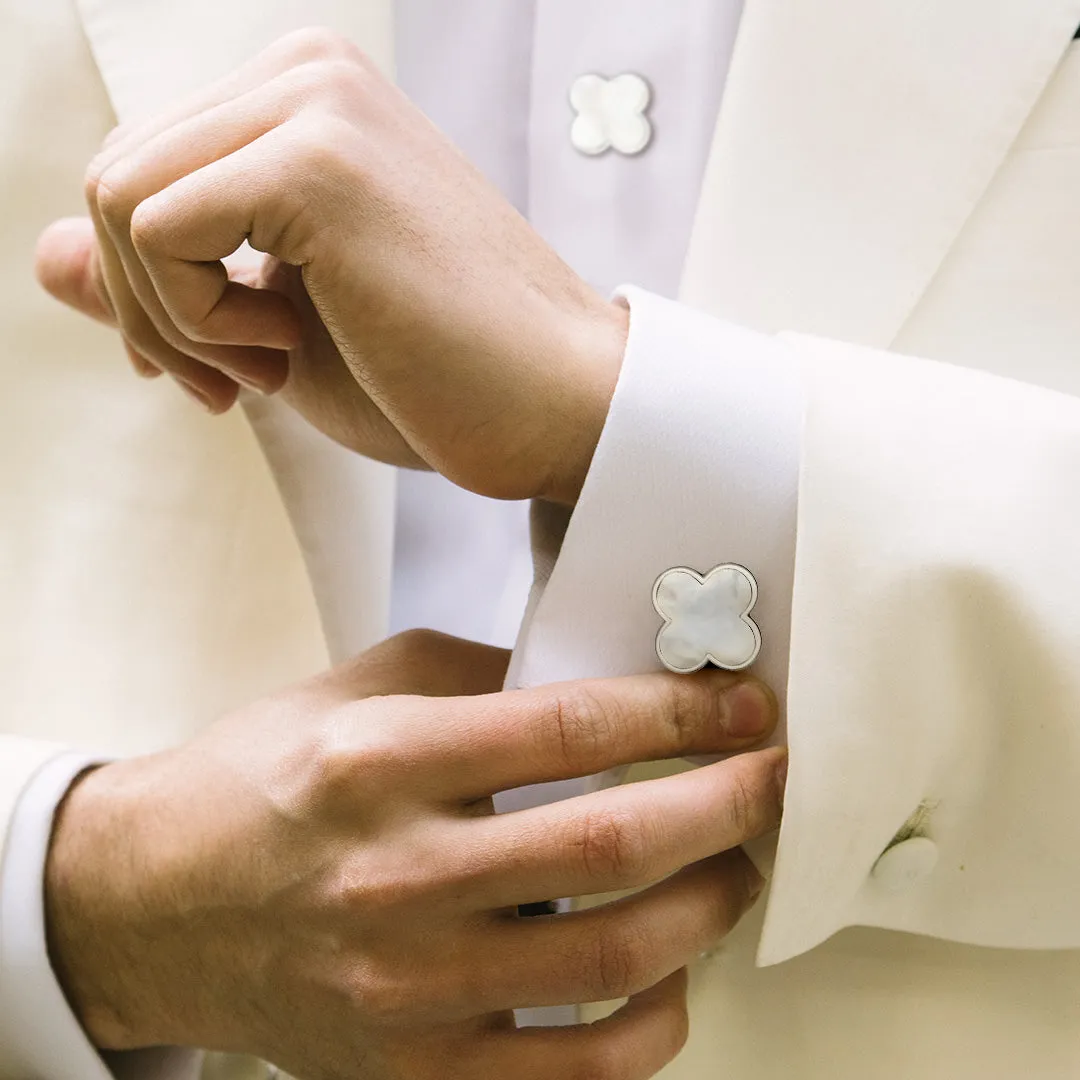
621,838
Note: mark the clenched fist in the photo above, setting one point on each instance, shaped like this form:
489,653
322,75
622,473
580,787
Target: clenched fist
404,306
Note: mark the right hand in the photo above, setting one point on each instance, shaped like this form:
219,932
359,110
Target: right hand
318,880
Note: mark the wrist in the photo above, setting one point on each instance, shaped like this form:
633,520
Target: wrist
91,911
597,349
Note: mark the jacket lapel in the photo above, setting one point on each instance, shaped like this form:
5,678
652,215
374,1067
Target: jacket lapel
855,138
151,51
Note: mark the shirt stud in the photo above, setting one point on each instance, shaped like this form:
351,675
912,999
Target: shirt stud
610,114
706,618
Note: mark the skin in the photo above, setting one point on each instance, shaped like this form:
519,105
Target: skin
400,303
319,880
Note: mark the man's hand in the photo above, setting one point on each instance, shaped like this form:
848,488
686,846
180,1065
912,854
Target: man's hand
407,309
319,880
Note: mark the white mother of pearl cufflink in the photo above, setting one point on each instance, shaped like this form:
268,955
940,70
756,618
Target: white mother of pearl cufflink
706,618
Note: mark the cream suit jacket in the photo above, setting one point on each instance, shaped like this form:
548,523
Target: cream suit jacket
887,181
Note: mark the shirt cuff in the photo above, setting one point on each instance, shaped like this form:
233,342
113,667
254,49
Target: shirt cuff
697,465
39,1034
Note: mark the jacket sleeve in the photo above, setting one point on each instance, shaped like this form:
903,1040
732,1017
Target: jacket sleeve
919,600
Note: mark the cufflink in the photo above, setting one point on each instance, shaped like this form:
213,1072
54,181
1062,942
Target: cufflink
610,114
706,618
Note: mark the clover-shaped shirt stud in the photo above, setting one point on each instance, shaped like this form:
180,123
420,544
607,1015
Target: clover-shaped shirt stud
706,618
611,114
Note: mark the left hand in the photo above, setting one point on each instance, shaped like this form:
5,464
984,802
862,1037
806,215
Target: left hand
404,306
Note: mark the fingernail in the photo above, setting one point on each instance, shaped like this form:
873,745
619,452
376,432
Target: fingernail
747,710
196,395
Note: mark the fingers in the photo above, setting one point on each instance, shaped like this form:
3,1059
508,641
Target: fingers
199,324
172,244
142,160
574,729
256,355
633,1044
624,837
236,333
210,388
618,949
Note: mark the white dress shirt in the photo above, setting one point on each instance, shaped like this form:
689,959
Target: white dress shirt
497,78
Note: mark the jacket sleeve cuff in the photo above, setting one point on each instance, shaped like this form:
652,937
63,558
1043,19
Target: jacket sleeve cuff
925,639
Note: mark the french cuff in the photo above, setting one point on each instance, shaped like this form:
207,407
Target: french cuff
697,465
39,1033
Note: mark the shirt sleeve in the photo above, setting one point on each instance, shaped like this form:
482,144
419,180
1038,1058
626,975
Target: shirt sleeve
39,1034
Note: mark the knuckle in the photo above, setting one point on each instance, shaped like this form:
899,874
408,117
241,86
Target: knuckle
621,961
377,891
328,86
147,222
682,709
391,993
356,892
385,999
348,761
612,847
113,197
345,80
321,140
381,889
314,43
580,725
414,646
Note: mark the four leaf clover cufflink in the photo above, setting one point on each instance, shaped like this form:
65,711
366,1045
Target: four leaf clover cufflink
610,114
706,618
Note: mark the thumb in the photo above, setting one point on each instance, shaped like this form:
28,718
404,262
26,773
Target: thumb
66,265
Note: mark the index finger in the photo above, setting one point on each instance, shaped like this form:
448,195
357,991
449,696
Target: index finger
501,741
